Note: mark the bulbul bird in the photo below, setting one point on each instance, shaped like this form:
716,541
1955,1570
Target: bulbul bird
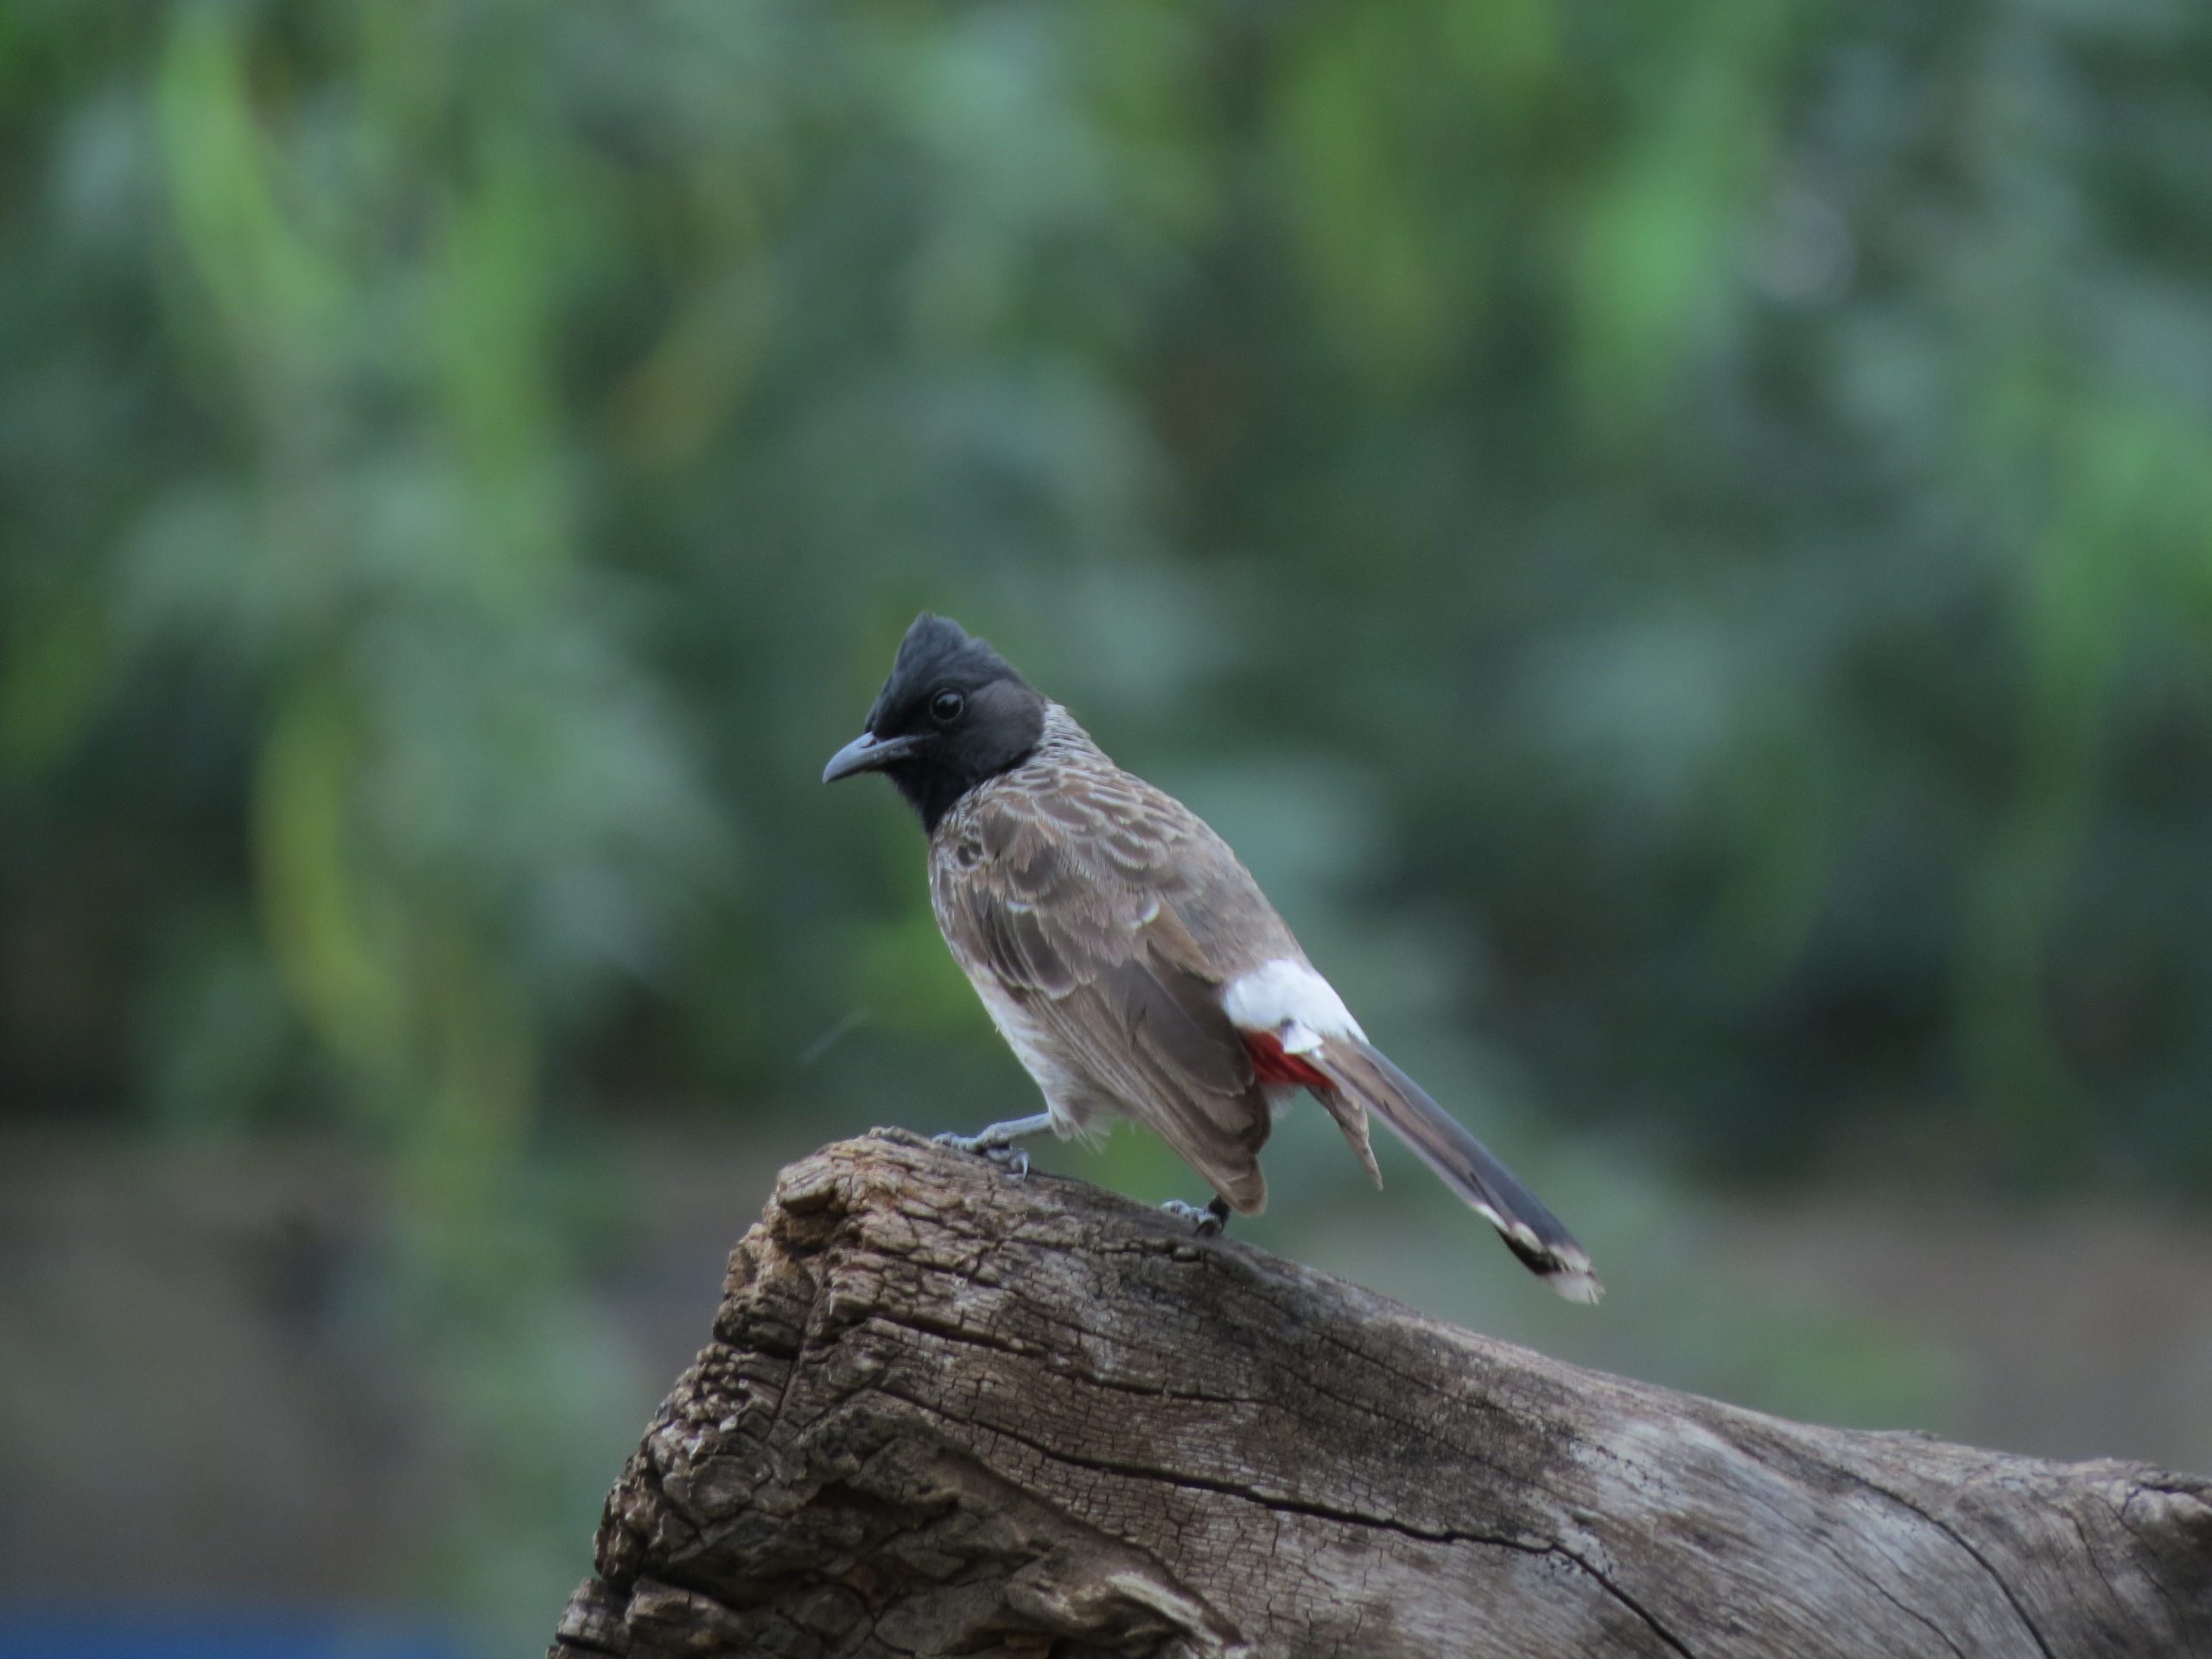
1130,961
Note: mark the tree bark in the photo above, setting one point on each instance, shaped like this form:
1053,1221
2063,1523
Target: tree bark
948,1412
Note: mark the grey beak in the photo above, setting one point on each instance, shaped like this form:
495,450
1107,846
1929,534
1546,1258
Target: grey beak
868,753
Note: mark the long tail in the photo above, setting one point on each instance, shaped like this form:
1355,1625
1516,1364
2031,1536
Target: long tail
1464,1165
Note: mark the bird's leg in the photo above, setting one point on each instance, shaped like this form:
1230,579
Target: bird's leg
1205,1222
996,1141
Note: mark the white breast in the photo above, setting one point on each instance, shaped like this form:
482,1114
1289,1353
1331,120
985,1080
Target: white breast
1068,1096
1286,997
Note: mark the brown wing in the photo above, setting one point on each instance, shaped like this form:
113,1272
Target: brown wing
1069,897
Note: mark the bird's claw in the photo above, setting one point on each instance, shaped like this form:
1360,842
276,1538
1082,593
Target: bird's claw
1012,1159
1206,1219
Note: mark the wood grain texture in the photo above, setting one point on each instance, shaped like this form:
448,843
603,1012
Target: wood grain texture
945,1412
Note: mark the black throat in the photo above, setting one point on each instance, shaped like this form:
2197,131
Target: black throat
1006,723
934,790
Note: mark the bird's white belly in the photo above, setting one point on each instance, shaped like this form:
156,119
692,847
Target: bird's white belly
1072,1097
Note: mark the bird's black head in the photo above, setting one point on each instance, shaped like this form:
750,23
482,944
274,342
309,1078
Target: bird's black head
951,714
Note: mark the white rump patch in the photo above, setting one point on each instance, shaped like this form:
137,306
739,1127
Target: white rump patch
1286,997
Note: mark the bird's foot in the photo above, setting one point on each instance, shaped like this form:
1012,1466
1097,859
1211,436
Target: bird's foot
1009,1157
1206,1220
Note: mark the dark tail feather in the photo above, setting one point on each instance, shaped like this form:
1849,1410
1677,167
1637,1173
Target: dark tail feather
1464,1164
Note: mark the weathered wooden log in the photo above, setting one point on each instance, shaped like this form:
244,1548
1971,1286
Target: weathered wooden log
947,1412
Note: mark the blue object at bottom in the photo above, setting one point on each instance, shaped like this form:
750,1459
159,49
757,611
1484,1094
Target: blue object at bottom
27,1633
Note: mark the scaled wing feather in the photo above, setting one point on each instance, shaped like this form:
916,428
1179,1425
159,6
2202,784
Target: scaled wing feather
1073,915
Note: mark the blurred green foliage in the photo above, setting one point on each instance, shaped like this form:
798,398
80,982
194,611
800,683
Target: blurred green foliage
1678,543
1705,514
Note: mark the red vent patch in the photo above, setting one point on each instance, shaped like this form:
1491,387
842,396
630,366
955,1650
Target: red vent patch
1274,1064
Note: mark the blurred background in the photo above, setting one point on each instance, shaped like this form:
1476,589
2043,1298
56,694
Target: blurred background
1676,542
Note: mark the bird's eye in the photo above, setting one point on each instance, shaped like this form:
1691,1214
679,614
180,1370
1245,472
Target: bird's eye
945,707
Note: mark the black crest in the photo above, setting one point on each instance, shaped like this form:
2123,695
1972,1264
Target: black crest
952,713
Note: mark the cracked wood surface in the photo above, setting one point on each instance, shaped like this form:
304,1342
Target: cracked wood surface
943,1412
